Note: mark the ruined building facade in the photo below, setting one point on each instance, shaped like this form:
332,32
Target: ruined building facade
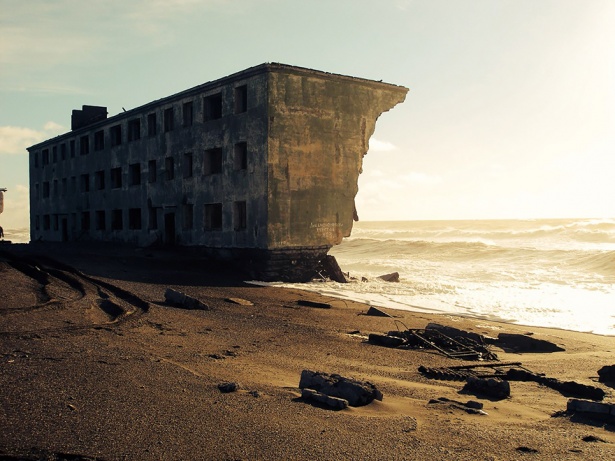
260,166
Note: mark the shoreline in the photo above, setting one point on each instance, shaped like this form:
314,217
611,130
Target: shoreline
95,372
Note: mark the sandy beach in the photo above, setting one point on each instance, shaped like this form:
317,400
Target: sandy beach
95,365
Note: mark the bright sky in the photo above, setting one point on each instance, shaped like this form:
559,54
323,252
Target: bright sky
510,114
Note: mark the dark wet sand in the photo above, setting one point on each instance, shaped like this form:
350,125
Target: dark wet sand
96,366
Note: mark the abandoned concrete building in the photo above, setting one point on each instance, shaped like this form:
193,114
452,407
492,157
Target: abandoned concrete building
260,166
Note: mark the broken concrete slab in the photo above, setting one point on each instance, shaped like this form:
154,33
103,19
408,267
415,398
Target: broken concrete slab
179,299
357,393
385,340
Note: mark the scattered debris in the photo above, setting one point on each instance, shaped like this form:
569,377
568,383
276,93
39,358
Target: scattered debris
357,393
305,302
471,406
228,387
495,388
459,347
333,402
512,371
607,374
241,302
179,299
525,343
456,332
392,277
375,312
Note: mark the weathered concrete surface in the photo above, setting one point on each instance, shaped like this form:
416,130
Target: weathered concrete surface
319,130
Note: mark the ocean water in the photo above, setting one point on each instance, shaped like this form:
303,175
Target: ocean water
553,273
17,235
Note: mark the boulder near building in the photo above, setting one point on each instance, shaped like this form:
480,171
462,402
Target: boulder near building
260,166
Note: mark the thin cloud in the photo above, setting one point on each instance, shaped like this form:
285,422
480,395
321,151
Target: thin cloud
375,145
14,139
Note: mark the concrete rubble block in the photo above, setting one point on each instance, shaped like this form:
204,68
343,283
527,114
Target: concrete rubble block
586,406
357,393
225,388
607,374
489,387
179,299
330,401
525,343
392,277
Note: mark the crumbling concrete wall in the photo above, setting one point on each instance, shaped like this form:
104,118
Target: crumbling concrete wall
319,130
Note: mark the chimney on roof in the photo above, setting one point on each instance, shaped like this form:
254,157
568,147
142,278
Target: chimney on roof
86,116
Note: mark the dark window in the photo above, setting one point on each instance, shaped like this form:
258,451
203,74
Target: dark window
85,183
37,222
213,161
64,187
73,184
99,140
84,145
116,135
54,153
151,125
134,129
46,222
187,165
240,154
187,216
63,151
116,220
169,168
99,180
45,157
240,217
188,112
85,221
116,177
56,189
213,216
100,220
72,148
134,174
241,99
54,221
169,120
36,191
46,189
153,218
134,218
35,159
212,107
151,171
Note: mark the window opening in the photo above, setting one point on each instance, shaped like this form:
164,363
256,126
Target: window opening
213,216
213,161
212,107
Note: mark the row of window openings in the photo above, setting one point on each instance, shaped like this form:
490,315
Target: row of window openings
212,165
212,218
212,111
